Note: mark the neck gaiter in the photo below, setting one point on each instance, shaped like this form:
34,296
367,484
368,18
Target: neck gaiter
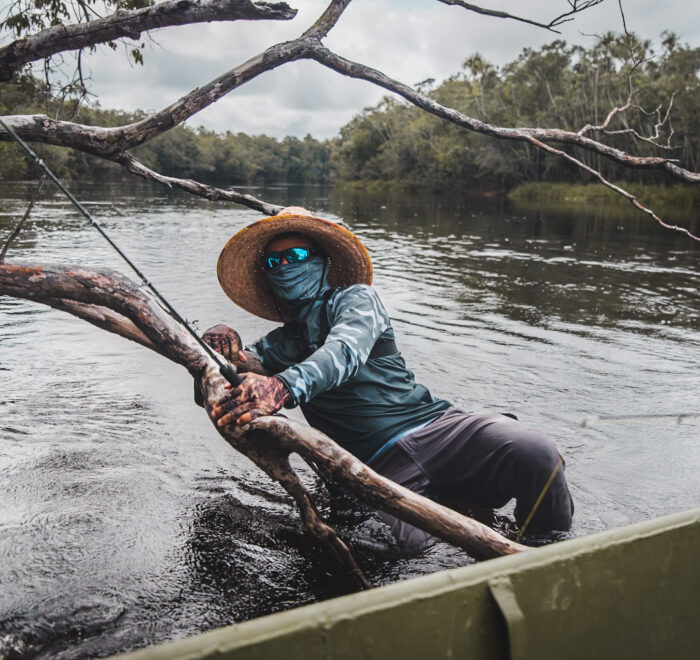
297,286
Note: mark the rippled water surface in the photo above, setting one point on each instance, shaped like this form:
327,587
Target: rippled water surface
124,518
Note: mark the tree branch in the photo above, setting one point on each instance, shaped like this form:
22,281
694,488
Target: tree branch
344,469
576,8
620,191
327,20
134,313
123,23
115,303
109,142
194,187
524,134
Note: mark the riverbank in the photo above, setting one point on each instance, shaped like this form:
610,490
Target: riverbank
675,197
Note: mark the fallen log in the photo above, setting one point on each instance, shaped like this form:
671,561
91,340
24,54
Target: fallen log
115,303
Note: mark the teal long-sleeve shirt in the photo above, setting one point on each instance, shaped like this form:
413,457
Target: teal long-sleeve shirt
360,402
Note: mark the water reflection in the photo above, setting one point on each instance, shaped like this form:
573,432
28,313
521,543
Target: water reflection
125,520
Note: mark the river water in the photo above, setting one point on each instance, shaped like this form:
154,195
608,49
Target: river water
125,520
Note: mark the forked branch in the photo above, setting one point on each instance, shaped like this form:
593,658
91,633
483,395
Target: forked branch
575,7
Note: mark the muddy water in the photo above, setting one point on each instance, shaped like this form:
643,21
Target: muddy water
125,520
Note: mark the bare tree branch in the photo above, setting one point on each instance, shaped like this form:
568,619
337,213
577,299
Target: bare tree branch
327,20
115,303
620,191
637,60
343,468
112,142
576,8
123,23
650,139
107,142
525,134
194,187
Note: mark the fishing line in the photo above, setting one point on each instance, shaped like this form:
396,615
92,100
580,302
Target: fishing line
587,422
537,503
226,369
679,417
24,219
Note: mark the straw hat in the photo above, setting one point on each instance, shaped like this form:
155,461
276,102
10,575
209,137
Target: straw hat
240,265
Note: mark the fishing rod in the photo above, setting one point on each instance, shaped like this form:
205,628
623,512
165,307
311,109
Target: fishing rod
225,368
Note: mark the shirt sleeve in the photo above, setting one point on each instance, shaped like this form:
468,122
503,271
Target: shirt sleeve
357,318
276,350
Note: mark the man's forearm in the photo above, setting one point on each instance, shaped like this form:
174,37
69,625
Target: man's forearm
252,364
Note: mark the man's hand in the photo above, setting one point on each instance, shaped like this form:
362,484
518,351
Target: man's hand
254,397
227,342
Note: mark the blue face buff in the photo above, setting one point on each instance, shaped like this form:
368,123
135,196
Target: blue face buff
296,284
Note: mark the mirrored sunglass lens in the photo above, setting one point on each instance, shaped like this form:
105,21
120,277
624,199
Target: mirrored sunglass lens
296,254
272,260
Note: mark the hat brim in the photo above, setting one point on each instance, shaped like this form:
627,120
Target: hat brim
240,266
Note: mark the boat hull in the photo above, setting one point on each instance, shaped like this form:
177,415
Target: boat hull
631,592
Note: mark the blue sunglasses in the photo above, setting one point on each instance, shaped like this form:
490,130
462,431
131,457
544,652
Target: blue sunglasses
293,255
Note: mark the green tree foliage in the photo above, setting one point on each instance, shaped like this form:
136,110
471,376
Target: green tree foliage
558,86
220,159
22,17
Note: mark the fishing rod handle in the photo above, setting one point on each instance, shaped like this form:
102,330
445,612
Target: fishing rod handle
229,373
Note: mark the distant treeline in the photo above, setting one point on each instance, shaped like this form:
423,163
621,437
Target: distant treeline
557,86
218,158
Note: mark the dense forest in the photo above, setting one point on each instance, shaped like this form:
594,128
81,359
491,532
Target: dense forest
221,159
558,85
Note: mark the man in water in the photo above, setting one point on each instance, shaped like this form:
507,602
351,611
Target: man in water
336,357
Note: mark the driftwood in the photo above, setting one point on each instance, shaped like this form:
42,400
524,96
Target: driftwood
113,302
114,143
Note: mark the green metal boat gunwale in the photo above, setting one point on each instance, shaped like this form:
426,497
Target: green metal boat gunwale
630,592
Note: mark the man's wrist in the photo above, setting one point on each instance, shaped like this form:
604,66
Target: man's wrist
288,399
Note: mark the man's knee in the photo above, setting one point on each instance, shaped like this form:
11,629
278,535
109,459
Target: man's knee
409,539
541,478
537,454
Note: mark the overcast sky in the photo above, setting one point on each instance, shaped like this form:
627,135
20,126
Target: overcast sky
410,40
